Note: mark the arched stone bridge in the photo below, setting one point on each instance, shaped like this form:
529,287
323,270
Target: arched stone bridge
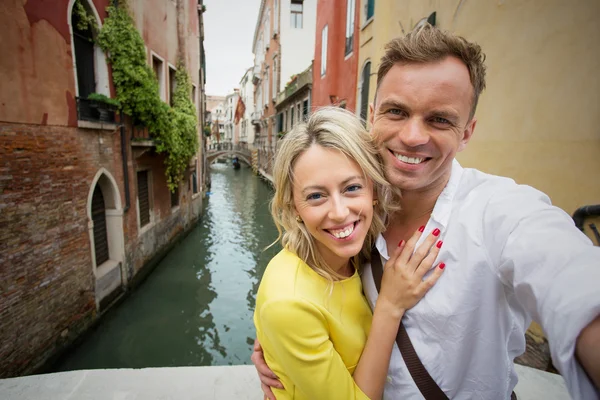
228,149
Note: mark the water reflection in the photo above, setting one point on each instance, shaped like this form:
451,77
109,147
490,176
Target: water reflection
196,307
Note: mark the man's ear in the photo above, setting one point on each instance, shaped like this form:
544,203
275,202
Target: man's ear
467,134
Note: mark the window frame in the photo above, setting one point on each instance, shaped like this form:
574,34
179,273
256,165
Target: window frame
161,79
350,17
297,16
324,50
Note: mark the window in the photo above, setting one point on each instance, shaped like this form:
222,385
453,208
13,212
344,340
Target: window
292,117
159,72
305,110
99,221
195,181
83,41
275,83
350,6
267,24
365,78
267,86
174,197
279,122
172,84
194,100
369,9
276,17
324,51
143,197
296,9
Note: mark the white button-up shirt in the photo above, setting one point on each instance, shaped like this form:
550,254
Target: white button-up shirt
510,256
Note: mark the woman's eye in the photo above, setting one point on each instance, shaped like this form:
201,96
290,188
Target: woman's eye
353,188
313,196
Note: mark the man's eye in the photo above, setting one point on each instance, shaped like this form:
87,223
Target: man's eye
395,111
314,196
440,120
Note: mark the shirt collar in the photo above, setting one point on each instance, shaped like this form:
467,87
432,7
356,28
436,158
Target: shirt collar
443,205
441,210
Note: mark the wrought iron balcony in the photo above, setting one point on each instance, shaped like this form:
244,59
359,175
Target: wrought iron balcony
95,111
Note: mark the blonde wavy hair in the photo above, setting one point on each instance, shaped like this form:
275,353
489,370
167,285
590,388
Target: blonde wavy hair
331,128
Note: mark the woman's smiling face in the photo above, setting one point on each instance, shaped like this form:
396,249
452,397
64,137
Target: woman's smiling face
335,201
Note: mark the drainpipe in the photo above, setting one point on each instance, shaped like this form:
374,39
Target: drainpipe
582,213
124,158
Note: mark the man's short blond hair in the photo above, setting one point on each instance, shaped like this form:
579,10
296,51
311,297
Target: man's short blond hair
429,44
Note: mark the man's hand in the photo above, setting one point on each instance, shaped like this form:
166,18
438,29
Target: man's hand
267,378
587,350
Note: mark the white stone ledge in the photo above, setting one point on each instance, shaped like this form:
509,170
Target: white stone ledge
206,383
105,126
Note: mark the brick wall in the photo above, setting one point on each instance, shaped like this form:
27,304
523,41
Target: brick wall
47,283
46,279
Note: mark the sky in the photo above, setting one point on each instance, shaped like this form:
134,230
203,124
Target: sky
228,34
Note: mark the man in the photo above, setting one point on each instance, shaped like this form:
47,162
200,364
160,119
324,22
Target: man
510,255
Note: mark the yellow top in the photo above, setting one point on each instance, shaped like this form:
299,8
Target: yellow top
312,332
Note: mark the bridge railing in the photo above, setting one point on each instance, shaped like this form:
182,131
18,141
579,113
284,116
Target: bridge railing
227,146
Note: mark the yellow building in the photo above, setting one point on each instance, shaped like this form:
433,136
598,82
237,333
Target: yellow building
537,119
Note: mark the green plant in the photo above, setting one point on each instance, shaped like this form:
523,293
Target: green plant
174,129
99,97
207,131
85,19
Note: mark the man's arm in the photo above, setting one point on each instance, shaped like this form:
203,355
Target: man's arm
588,350
553,270
268,379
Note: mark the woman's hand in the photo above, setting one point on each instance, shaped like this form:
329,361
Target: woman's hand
402,285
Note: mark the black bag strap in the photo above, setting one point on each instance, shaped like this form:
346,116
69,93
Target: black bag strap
429,389
427,386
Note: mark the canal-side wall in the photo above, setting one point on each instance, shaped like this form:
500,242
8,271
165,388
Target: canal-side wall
59,173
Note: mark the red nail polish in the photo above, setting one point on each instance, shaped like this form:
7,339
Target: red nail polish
401,243
442,266
421,229
439,244
436,232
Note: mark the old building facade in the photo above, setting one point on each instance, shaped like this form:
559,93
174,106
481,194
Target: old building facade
84,202
283,46
336,54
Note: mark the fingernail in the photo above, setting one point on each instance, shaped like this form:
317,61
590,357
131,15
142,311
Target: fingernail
436,232
421,229
439,244
401,243
442,266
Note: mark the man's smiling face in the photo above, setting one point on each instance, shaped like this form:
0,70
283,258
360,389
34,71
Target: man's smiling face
421,120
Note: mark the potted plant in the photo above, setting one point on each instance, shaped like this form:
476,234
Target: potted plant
104,104
207,131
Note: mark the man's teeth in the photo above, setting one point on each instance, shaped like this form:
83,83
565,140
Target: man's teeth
409,160
340,234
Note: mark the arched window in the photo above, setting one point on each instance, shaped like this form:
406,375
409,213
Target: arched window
99,220
89,61
365,78
83,42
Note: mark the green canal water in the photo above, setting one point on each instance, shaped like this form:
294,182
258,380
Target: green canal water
196,307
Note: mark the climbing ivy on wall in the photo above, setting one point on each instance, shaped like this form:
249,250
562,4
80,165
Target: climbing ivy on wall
174,129
85,18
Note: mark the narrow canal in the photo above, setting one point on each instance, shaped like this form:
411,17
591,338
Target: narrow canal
196,307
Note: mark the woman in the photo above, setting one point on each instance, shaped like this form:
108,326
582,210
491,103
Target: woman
315,327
